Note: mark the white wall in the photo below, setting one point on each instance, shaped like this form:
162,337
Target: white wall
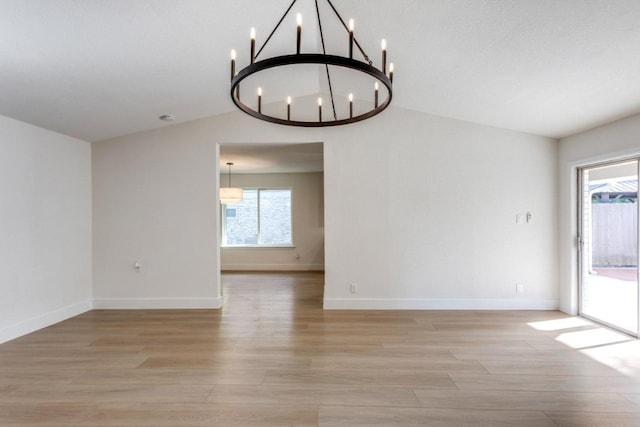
155,202
617,140
419,211
307,225
45,228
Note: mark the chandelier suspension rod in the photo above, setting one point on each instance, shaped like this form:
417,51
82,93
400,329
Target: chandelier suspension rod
274,30
366,57
326,66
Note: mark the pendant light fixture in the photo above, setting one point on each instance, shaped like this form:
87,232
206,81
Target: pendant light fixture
293,115
230,195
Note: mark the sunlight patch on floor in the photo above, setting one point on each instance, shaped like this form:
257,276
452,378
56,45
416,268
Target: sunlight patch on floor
560,324
608,347
591,338
623,357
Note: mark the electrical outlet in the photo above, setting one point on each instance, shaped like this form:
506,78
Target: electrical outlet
354,288
519,288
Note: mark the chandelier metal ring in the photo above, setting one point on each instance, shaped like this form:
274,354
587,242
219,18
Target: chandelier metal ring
382,75
310,58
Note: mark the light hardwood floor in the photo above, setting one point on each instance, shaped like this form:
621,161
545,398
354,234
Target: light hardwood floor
273,357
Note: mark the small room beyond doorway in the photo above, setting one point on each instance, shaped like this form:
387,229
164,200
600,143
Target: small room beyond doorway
279,224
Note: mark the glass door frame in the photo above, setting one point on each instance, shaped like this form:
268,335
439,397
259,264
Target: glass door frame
580,242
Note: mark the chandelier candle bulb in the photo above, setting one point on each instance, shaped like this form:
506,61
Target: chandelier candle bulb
298,32
383,44
375,86
233,63
351,25
320,109
391,72
288,108
252,33
259,100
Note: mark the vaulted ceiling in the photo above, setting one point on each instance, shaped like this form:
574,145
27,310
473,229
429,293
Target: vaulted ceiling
96,69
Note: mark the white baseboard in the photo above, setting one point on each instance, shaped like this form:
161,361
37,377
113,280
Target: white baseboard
272,267
43,320
438,304
156,303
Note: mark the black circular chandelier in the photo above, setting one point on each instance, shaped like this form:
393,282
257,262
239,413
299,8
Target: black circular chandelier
364,110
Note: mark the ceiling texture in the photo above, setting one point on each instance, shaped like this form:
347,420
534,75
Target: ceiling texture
97,69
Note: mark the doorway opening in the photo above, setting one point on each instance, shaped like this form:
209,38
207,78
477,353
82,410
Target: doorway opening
608,244
278,227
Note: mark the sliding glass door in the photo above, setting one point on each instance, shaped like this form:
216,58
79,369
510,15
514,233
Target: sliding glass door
609,244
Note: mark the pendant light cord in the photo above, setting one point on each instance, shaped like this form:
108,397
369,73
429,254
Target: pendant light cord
229,174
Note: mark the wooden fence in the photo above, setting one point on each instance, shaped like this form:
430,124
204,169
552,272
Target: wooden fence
615,234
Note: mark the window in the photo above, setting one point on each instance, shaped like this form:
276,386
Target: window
262,218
